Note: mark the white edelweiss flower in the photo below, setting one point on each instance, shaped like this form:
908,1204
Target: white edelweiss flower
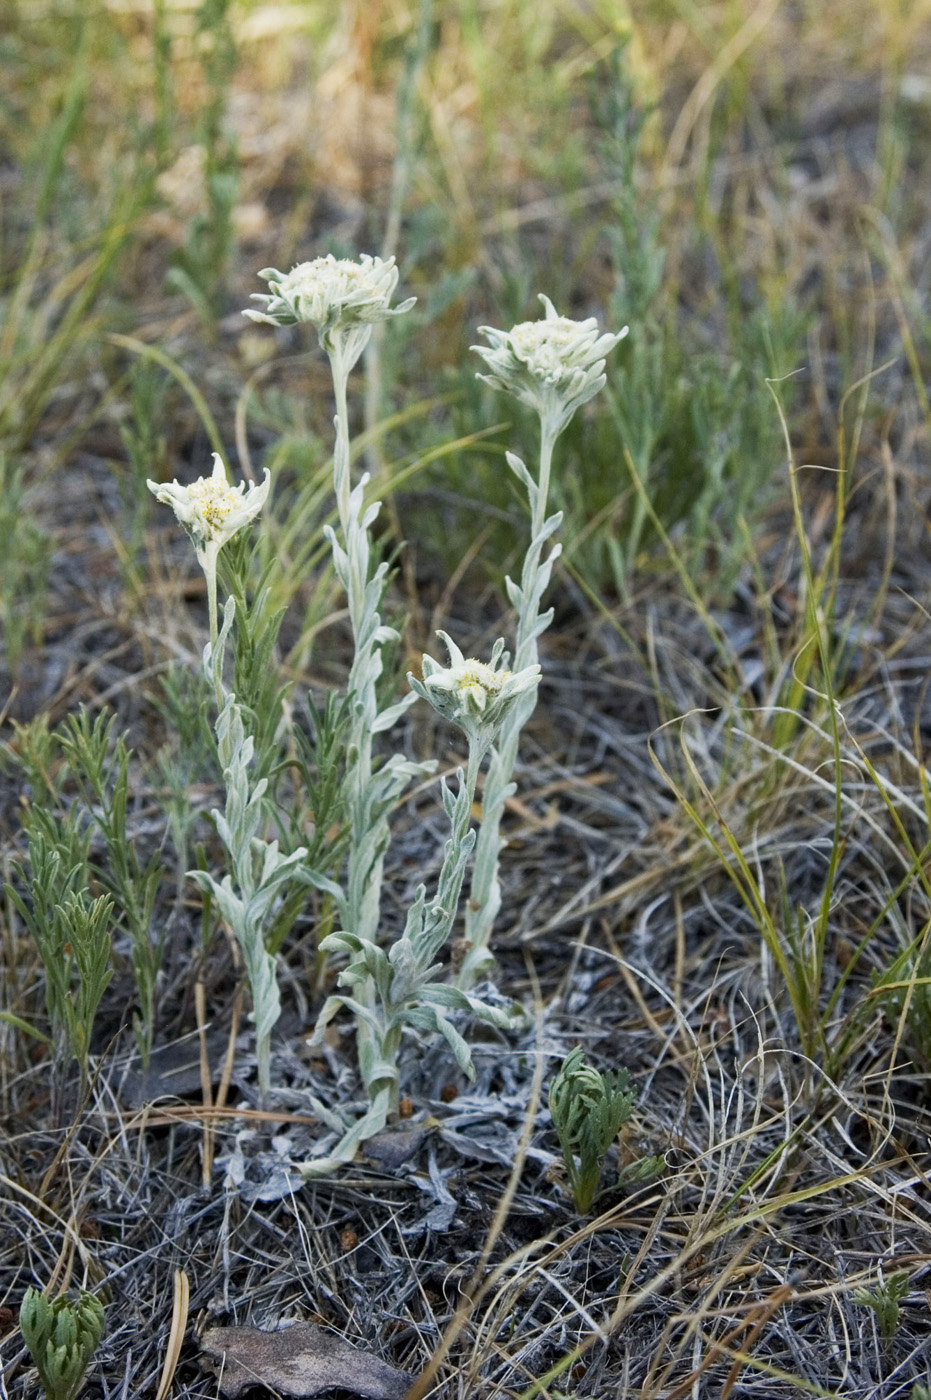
554,365
334,294
210,509
476,695
471,684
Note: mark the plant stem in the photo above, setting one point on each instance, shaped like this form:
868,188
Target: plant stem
341,476
208,562
363,879
485,894
449,886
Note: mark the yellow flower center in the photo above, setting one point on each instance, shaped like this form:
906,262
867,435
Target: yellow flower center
476,673
337,278
544,345
215,500
533,335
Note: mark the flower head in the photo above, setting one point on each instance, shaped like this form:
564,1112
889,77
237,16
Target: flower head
336,295
476,695
210,509
554,365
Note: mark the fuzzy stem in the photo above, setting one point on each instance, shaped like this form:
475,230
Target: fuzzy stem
361,914
445,903
208,562
449,886
363,880
341,474
485,893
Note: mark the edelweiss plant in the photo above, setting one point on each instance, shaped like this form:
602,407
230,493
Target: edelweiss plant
212,512
401,982
554,366
259,870
343,300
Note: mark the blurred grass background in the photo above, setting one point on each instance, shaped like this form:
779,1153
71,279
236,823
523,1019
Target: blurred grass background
746,186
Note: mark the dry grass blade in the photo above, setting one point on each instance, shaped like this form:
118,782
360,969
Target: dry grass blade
206,1081
179,1314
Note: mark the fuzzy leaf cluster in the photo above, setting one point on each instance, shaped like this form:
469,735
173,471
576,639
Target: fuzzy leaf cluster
61,1337
588,1110
258,872
403,976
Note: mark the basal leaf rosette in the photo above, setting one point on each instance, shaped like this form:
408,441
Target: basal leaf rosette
554,366
342,298
475,695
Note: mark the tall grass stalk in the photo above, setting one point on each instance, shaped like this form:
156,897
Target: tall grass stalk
101,772
796,939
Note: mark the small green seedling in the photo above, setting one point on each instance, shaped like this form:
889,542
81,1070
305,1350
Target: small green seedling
588,1109
61,1337
921,1392
884,1299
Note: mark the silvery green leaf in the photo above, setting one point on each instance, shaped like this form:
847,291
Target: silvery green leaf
448,796
441,994
204,880
371,1123
456,1043
350,1004
515,593
455,655
229,903
550,526
380,1073
371,514
414,920
331,1007
340,557
519,469
541,624
401,957
393,713
367,956
417,687
320,882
